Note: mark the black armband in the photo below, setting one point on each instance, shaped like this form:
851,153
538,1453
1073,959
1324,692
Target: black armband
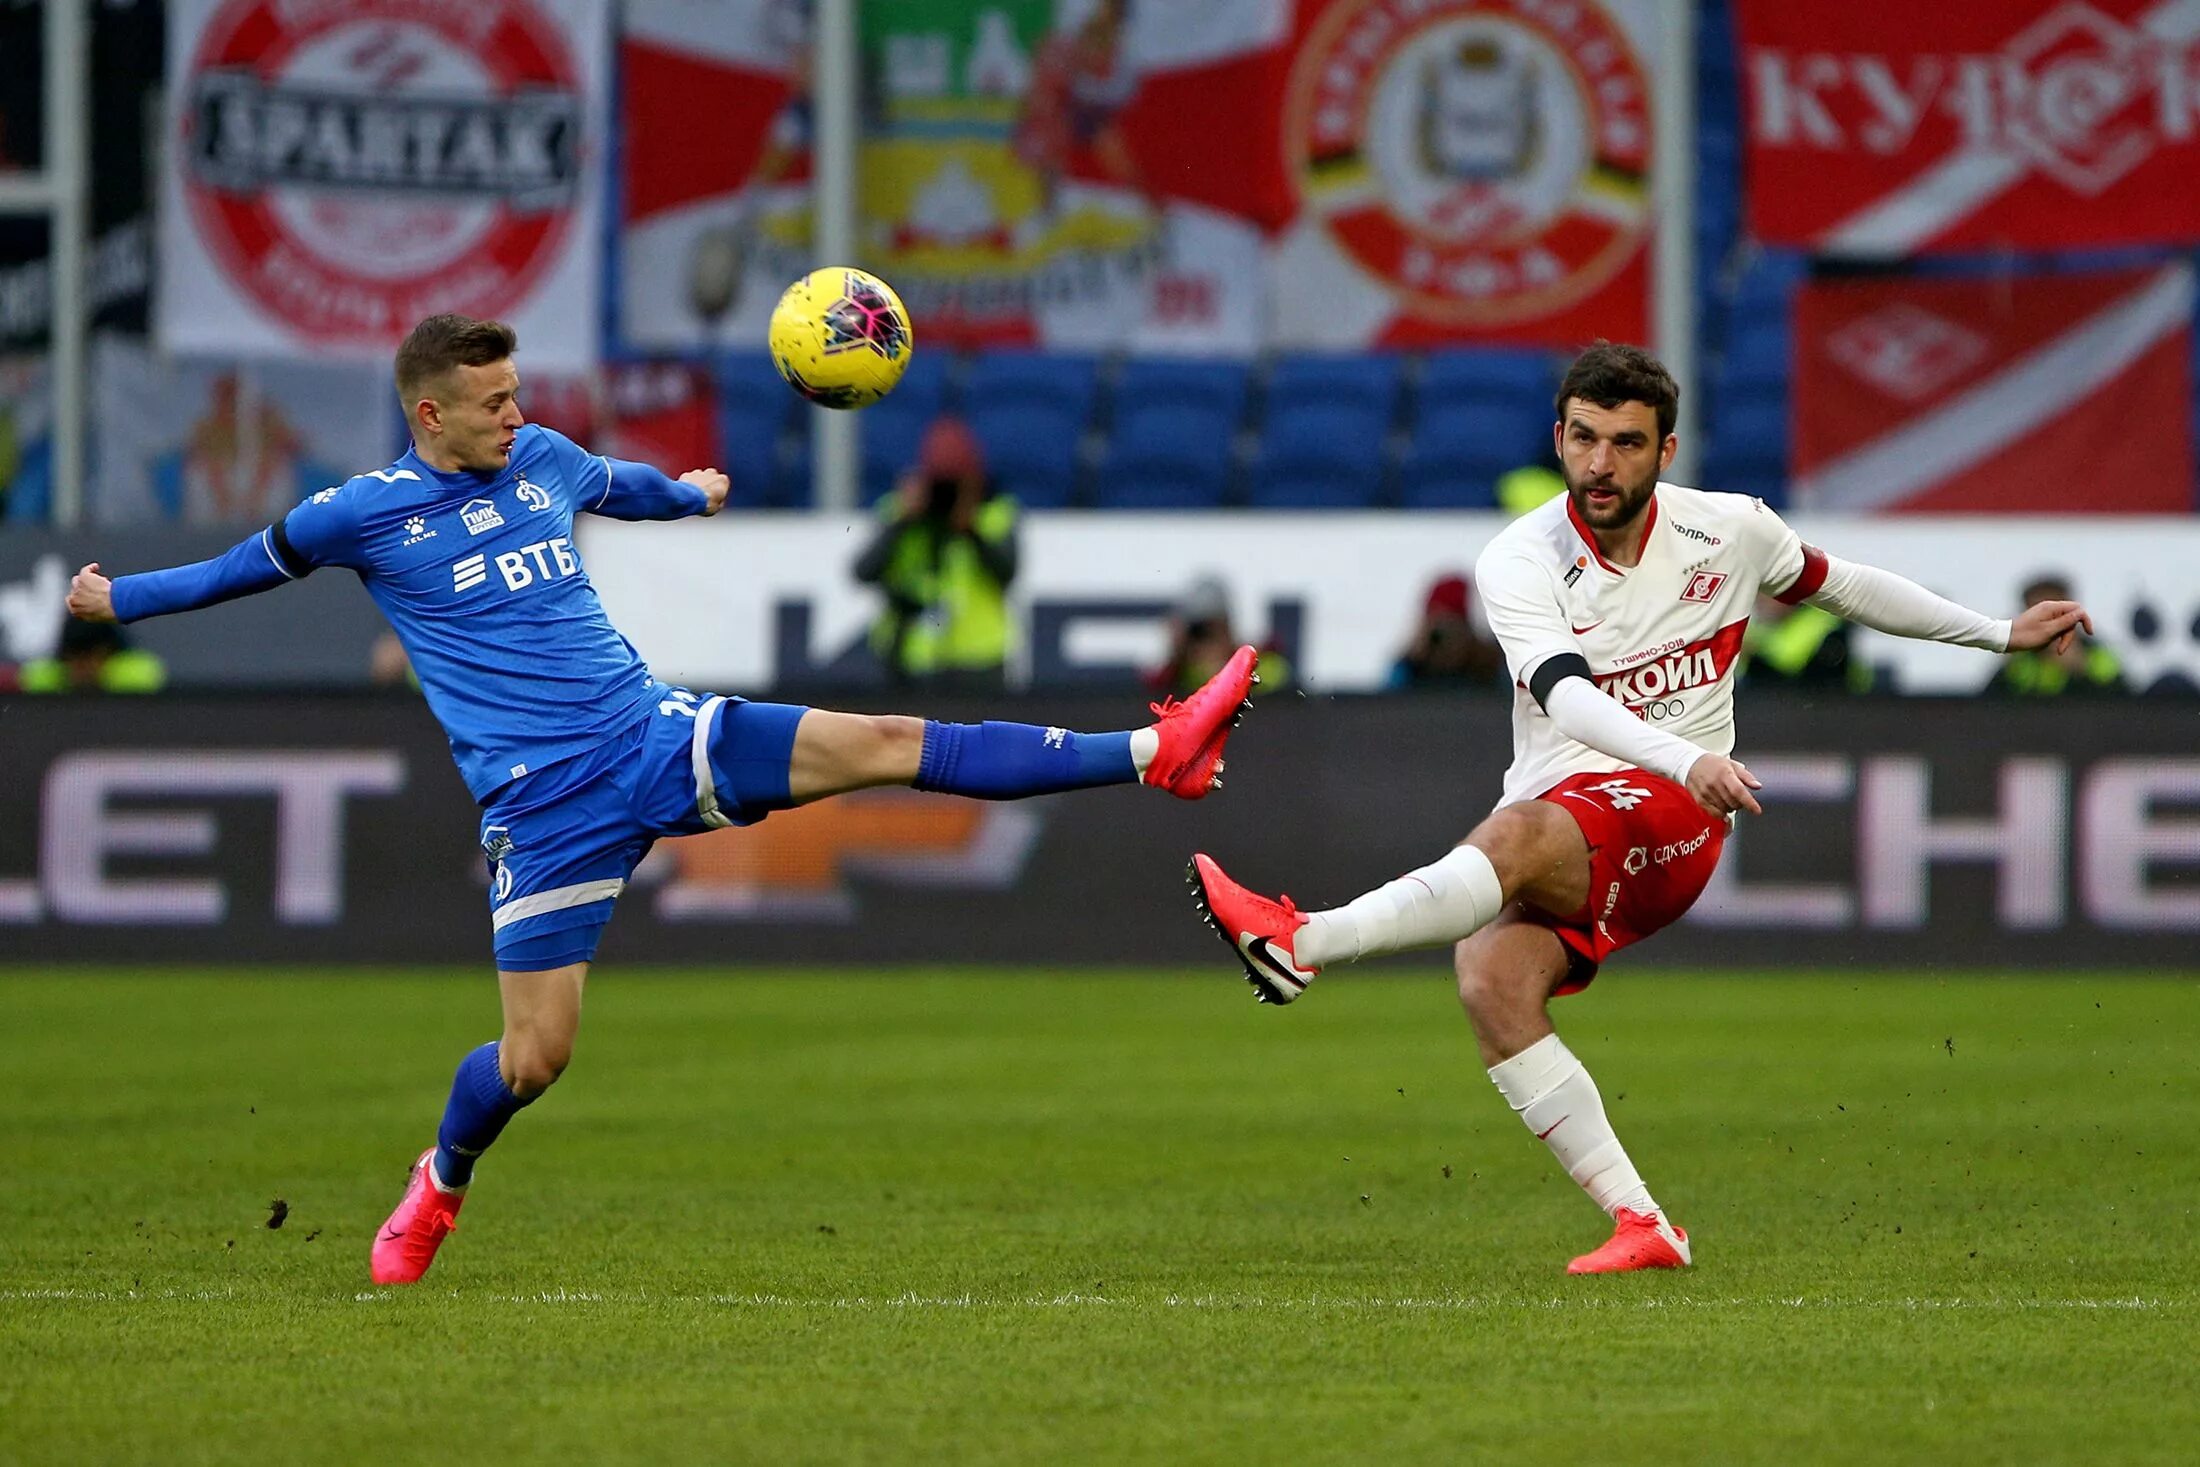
293,564
1553,670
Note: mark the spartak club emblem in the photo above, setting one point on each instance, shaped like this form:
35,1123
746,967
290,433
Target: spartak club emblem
354,166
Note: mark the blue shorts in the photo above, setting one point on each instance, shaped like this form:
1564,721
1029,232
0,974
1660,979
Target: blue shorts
562,842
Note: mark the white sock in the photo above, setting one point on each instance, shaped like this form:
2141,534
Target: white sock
1439,903
1559,1102
1145,743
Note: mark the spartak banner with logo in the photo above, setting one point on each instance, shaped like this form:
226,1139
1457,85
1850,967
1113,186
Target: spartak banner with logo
2050,394
1877,130
339,169
1468,170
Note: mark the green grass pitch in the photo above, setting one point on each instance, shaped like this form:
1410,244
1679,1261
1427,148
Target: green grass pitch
1099,1217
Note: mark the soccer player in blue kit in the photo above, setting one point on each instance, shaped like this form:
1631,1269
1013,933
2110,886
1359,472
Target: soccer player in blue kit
579,757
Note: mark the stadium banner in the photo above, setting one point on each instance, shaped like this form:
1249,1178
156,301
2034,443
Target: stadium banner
1090,175
770,600
1074,176
340,168
1467,170
715,219
228,442
2027,394
318,831
1975,124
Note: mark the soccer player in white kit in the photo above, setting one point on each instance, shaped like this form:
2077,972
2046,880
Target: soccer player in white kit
1621,607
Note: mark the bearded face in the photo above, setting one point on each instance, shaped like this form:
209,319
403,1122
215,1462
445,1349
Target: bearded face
1611,458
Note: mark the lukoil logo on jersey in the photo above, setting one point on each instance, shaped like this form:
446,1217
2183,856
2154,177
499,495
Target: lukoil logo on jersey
1694,665
545,560
480,515
350,166
416,530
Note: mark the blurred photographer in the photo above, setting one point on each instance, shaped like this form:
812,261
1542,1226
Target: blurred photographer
1201,640
2070,666
1447,649
944,556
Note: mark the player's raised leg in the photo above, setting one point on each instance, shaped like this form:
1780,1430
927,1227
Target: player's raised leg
542,1014
1507,973
1181,751
1531,851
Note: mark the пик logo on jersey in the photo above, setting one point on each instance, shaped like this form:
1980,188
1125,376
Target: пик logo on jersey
1483,158
356,164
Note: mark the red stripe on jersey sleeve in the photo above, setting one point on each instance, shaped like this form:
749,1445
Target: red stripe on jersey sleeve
1812,577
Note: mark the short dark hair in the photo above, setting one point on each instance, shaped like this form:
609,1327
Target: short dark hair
440,343
1610,373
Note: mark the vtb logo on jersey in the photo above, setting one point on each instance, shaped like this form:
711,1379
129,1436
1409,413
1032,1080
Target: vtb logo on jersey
1703,585
545,560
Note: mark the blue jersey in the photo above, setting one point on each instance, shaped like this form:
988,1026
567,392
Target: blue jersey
480,579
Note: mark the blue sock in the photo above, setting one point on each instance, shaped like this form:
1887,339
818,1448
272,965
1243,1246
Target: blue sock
480,1105
1007,761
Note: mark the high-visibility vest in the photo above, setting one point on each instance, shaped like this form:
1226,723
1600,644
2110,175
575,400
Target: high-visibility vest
128,671
961,623
2038,676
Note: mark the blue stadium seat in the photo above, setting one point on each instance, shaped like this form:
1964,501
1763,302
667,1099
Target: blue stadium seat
1756,350
1486,376
1366,385
1319,455
1460,448
755,409
1065,384
1429,484
893,427
1752,426
1217,389
1031,451
1769,279
1165,457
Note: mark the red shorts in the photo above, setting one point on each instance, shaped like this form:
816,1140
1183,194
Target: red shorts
1652,849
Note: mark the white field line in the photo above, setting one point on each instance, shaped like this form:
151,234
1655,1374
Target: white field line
1460,1304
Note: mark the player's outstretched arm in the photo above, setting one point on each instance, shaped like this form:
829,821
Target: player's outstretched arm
1900,607
635,491
250,566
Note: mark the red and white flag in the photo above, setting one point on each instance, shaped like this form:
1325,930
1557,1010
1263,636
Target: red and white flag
1877,130
2052,394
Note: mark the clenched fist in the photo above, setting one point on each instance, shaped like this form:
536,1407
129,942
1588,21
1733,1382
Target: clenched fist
91,595
714,486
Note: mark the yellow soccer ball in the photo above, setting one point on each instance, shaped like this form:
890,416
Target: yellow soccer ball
841,337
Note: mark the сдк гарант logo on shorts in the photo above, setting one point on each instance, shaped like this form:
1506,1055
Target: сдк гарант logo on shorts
355,164
1485,159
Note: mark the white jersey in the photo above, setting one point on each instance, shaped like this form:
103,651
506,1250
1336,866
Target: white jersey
1663,636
